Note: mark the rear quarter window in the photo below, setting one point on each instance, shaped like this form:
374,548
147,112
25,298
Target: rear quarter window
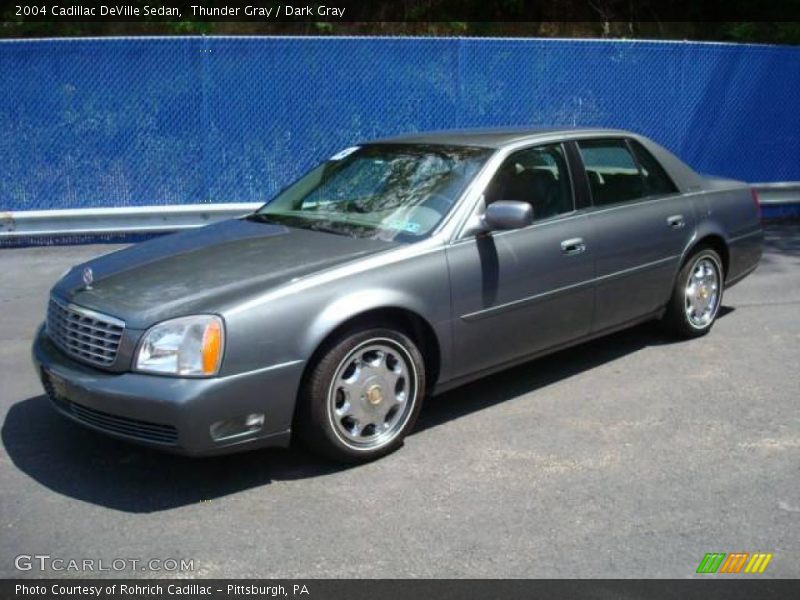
656,180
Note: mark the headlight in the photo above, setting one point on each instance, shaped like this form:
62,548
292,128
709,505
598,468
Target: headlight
189,346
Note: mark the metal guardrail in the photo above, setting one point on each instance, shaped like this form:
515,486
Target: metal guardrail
786,192
163,219
126,219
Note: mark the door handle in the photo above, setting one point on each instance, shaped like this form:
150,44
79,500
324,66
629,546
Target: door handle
676,221
573,246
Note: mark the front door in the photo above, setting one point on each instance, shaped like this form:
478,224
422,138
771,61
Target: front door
515,293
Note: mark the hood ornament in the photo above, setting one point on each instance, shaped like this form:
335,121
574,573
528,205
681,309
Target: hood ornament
88,277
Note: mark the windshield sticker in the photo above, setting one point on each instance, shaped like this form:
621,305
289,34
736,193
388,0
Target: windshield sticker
344,153
408,226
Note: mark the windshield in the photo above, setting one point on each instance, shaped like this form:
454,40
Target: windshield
393,192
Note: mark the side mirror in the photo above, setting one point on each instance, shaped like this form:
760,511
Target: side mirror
507,214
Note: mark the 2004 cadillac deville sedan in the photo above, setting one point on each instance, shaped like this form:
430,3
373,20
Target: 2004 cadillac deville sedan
397,268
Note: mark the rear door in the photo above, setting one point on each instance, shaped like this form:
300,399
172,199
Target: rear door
640,226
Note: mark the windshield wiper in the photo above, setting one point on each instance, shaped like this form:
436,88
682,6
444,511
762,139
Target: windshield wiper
297,223
261,218
326,229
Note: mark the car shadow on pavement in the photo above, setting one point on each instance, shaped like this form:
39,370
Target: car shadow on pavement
539,373
88,466
74,461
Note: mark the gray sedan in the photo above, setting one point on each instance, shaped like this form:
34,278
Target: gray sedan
396,269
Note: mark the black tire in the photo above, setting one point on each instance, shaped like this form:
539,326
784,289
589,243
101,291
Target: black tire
676,320
315,422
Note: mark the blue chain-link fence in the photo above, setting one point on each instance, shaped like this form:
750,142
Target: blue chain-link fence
137,121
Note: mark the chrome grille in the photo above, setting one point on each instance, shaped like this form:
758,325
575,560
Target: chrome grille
84,334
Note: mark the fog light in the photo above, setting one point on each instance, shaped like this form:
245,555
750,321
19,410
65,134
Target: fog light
238,426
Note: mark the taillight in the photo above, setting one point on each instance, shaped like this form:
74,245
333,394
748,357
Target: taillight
756,201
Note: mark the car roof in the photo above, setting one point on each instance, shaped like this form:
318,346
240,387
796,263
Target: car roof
494,137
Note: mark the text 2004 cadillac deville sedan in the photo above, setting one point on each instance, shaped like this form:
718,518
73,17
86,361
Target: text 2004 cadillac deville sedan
394,269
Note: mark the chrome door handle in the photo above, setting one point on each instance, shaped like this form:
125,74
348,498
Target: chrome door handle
676,221
573,246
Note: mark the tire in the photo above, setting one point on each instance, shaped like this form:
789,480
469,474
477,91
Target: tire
363,395
696,296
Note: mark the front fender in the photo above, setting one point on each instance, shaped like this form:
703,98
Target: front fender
289,323
345,308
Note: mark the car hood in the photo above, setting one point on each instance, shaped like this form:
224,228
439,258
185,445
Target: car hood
203,269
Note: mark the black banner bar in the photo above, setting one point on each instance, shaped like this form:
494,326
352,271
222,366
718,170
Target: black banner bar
298,11
732,588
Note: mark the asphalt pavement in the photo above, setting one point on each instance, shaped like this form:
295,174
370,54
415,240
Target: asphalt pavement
630,456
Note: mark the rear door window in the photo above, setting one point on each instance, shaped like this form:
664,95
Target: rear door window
612,171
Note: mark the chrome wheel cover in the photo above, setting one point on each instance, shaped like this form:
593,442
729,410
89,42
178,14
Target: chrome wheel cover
372,394
702,292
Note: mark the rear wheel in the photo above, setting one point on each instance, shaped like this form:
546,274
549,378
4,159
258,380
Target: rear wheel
363,395
697,295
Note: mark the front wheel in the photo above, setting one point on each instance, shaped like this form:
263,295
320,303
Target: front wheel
363,395
697,295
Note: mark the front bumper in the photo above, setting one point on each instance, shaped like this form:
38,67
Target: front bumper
170,413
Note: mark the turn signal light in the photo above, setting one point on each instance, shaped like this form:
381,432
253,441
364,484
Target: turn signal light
212,347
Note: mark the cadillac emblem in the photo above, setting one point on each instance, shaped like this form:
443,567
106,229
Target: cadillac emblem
88,278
